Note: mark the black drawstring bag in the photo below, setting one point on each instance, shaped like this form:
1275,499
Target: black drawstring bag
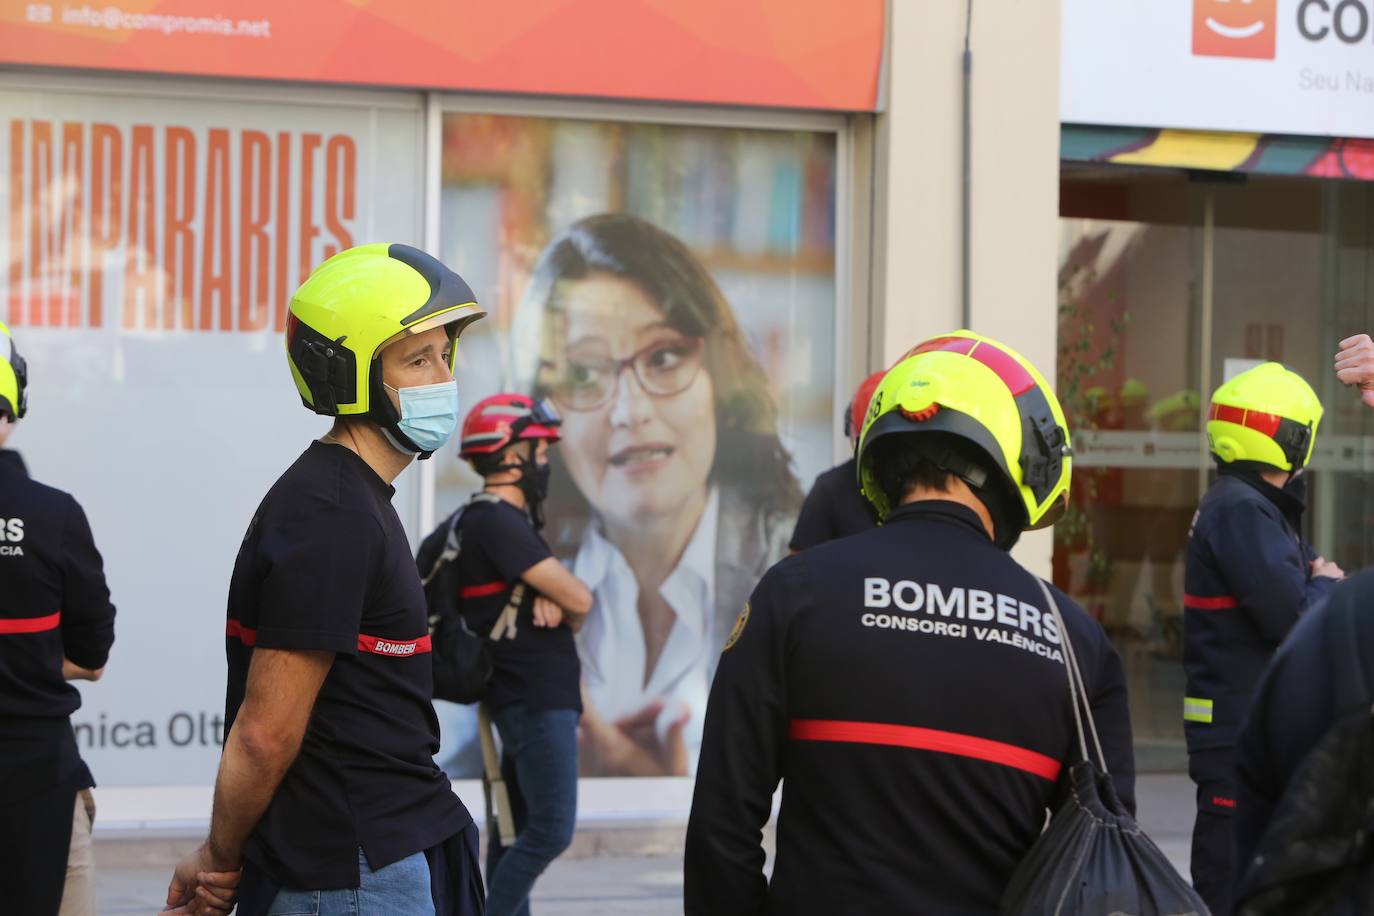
1093,859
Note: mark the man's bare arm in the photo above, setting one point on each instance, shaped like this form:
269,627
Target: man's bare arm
266,737
553,580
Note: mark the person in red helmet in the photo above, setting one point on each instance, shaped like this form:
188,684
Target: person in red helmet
835,507
516,592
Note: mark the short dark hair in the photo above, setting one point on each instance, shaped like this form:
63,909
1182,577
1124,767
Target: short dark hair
902,462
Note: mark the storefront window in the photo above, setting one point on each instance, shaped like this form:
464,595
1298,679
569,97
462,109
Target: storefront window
592,242
1167,287
151,244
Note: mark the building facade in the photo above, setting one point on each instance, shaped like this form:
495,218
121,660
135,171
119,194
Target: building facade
850,177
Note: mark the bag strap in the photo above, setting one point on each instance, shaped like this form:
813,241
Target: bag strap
451,548
452,543
1078,691
497,798
505,623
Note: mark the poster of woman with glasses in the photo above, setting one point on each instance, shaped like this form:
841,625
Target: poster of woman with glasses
690,355
672,492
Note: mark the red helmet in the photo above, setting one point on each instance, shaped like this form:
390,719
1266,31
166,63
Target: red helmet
854,420
497,421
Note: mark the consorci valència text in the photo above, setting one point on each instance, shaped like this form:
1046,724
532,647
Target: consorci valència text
959,613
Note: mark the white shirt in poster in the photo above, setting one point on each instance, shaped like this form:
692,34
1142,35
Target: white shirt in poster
611,643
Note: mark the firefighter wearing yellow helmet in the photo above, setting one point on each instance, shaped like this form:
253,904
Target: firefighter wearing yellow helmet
1249,576
909,679
14,379
1003,429
56,626
329,655
354,306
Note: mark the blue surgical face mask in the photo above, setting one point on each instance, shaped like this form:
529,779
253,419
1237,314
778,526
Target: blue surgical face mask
429,414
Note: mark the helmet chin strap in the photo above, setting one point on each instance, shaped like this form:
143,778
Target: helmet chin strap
384,414
534,500
1006,528
401,442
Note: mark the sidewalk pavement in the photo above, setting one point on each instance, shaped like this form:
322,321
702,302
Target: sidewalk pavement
614,867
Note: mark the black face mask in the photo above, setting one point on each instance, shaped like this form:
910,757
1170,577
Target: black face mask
1291,498
534,483
1297,487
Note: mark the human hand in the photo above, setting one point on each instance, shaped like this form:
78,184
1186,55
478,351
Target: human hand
630,745
1322,567
203,883
1355,365
547,613
71,671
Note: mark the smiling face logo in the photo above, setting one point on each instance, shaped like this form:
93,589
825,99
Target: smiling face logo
1234,28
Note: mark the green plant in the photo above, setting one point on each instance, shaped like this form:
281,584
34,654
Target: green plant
1082,361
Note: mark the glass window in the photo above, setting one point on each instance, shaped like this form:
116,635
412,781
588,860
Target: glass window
152,245
709,249
1167,287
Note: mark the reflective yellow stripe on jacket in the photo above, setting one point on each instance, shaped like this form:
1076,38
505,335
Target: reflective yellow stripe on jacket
1197,710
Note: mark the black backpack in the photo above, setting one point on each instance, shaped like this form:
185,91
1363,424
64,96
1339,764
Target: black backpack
1093,859
1317,852
462,662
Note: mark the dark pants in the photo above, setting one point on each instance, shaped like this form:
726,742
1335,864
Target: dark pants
539,766
35,837
1214,844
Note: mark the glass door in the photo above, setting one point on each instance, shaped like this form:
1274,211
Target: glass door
1169,284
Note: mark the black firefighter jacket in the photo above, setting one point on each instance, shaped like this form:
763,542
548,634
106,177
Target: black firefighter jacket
1248,579
1322,675
906,686
53,603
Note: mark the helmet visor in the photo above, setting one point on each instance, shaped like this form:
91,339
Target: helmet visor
542,422
455,319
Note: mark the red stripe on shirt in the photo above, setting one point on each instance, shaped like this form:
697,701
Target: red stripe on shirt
30,624
246,635
483,590
377,645
1210,603
927,739
394,648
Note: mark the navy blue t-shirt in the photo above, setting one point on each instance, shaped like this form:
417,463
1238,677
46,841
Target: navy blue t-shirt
539,667
326,565
835,508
